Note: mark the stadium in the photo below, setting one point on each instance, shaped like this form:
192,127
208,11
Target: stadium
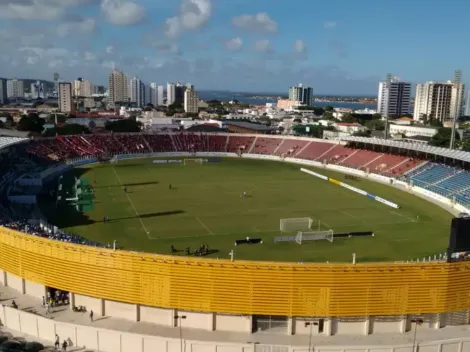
285,235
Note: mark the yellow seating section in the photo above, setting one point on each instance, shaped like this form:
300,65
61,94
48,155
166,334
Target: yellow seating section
240,287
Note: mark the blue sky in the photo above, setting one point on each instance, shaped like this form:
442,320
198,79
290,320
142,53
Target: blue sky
336,46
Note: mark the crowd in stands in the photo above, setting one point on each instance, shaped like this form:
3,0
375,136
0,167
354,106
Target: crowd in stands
45,232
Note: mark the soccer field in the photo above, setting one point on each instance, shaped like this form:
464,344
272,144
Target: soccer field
205,206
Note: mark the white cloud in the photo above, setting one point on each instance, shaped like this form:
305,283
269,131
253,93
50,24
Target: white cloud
122,13
30,10
262,46
329,24
90,56
261,23
234,44
193,14
109,49
166,47
300,47
81,26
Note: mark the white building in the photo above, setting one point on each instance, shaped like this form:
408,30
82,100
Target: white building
15,88
83,88
441,101
37,90
153,93
190,100
117,88
302,94
467,104
3,92
349,127
411,131
160,97
137,92
394,97
65,97
170,93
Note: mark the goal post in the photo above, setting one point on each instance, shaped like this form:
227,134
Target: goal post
295,224
303,236
192,161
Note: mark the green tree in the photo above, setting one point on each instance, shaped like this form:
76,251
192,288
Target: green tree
67,130
124,125
329,108
31,123
348,118
377,125
465,144
376,117
442,137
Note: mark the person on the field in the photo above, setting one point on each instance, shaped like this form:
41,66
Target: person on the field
125,189
244,194
169,186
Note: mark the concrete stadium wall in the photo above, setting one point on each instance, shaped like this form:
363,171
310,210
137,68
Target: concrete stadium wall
80,336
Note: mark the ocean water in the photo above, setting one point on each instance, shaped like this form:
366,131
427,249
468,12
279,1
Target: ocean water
227,96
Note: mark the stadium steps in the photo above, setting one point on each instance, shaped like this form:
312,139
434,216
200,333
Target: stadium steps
373,160
252,145
325,153
348,156
416,168
279,146
97,150
398,165
445,178
120,144
302,149
173,141
148,144
226,143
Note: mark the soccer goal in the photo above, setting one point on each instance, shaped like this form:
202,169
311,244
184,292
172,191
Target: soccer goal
314,236
192,161
296,224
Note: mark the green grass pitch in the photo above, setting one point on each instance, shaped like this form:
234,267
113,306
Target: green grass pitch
205,206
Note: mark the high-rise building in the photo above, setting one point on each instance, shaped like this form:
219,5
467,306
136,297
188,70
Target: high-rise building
15,88
160,97
190,100
440,101
457,101
394,97
302,94
3,92
467,104
65,97
153,93
118,90
179,93
433,101
82,88
137,92
170,93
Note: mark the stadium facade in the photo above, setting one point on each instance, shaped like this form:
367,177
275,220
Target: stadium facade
219,295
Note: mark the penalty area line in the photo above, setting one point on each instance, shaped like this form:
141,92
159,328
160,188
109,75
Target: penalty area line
133,207
204,225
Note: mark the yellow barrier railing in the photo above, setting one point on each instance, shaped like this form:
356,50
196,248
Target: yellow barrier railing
243,287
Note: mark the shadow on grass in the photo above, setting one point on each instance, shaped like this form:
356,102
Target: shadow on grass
151,215
128,185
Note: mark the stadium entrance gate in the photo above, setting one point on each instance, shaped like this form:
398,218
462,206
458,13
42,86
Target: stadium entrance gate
270,323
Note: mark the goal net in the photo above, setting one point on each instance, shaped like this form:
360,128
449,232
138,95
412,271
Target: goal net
314,236
295,224
192,161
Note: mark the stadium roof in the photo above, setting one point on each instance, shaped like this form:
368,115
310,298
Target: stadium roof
422,148
252,126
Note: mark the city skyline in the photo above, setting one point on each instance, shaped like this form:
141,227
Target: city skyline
253,44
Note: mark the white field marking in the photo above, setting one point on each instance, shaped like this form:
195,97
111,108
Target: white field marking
204,225
133,207
404,216
350,215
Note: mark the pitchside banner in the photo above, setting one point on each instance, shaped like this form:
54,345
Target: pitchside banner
167,161
351,188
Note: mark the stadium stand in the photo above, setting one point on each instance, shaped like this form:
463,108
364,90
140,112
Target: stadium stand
290,147
314,150
239,144
266,145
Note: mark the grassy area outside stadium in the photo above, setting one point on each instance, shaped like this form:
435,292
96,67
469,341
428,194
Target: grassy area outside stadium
205,206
